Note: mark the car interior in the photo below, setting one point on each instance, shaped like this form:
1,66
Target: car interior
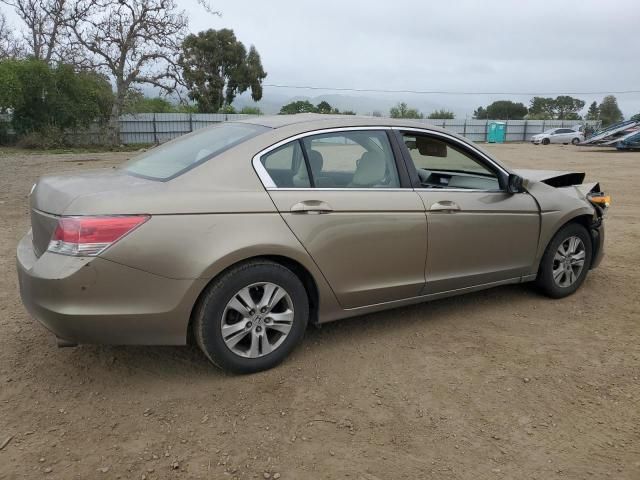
365,160
440,165
346,160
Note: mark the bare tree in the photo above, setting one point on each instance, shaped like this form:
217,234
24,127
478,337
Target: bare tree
45,21
10,46
133,42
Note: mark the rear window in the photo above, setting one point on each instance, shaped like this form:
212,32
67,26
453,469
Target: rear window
177,156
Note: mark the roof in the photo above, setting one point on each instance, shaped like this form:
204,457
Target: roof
317,120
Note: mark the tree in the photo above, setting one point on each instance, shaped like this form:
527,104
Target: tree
567,108
442,114
480,112
502,110
10,46
300,106
43,98
134,43
542,108
609,111
401,110
594,112
562,107
216,67
136,102
46,35
636,117
376,113
251,111
325,107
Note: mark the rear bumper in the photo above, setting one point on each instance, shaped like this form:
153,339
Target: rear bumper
93,300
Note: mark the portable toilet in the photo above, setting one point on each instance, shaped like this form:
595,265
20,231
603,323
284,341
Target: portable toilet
496,132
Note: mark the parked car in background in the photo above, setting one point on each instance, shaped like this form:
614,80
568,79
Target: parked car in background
237,236
558,135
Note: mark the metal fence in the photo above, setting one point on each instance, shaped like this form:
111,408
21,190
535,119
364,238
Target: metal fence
159,127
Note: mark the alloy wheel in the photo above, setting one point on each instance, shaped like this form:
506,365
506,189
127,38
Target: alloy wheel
257,320
568,262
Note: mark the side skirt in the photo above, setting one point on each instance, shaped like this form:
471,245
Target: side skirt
352,312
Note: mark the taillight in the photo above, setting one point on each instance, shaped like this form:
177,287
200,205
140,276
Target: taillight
90,236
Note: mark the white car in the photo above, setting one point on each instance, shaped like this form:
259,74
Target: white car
558,135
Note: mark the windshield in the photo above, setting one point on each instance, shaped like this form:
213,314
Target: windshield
177,156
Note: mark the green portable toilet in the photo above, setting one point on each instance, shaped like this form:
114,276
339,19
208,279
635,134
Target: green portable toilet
496,132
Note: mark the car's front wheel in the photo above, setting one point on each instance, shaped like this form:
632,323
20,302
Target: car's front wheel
251,317
575,141
545,141
566,261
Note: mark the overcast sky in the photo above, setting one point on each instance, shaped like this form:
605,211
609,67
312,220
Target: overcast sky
508,46
456,45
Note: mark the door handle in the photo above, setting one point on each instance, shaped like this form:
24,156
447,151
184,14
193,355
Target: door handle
316,207
445,206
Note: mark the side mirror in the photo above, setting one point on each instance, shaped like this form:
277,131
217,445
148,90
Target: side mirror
515,184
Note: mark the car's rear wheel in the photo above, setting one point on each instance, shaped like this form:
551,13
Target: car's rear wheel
251,317
545,141
575,141
566,261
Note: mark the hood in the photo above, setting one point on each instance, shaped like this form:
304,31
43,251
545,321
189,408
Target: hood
54,194
552,178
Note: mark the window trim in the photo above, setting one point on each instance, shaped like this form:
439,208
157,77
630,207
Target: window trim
269,184
476,154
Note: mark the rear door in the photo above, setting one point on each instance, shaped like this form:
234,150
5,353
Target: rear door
477,233
344,197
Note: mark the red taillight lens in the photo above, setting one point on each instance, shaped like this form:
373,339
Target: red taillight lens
90,236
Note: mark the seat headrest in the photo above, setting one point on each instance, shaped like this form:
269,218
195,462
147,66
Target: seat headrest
371,170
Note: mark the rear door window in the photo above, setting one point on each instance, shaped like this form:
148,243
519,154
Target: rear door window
286,166
352,159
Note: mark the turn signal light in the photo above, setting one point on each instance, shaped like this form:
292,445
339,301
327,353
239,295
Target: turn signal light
602,200
90,236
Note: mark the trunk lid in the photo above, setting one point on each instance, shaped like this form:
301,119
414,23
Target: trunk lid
52,196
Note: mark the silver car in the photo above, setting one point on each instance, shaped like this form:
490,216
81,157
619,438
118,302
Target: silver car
238,236
558,135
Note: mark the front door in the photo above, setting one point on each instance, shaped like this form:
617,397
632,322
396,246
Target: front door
342,195
477,233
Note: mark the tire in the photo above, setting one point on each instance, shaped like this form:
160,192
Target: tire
575,141
554,276
545,141
243,284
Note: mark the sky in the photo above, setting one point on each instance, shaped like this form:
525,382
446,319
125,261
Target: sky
546,47
471,46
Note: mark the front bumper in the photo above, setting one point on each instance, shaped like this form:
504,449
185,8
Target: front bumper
597,236
93,300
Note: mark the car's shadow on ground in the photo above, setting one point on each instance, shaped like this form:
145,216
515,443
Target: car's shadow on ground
181,361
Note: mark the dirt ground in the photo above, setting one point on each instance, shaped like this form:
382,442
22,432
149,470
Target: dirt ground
501,384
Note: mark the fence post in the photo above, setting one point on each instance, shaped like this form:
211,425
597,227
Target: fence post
155,131
191,121
543,122
464,128
524,133
506,131
486,129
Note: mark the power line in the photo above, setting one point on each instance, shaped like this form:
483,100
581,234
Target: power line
442,92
